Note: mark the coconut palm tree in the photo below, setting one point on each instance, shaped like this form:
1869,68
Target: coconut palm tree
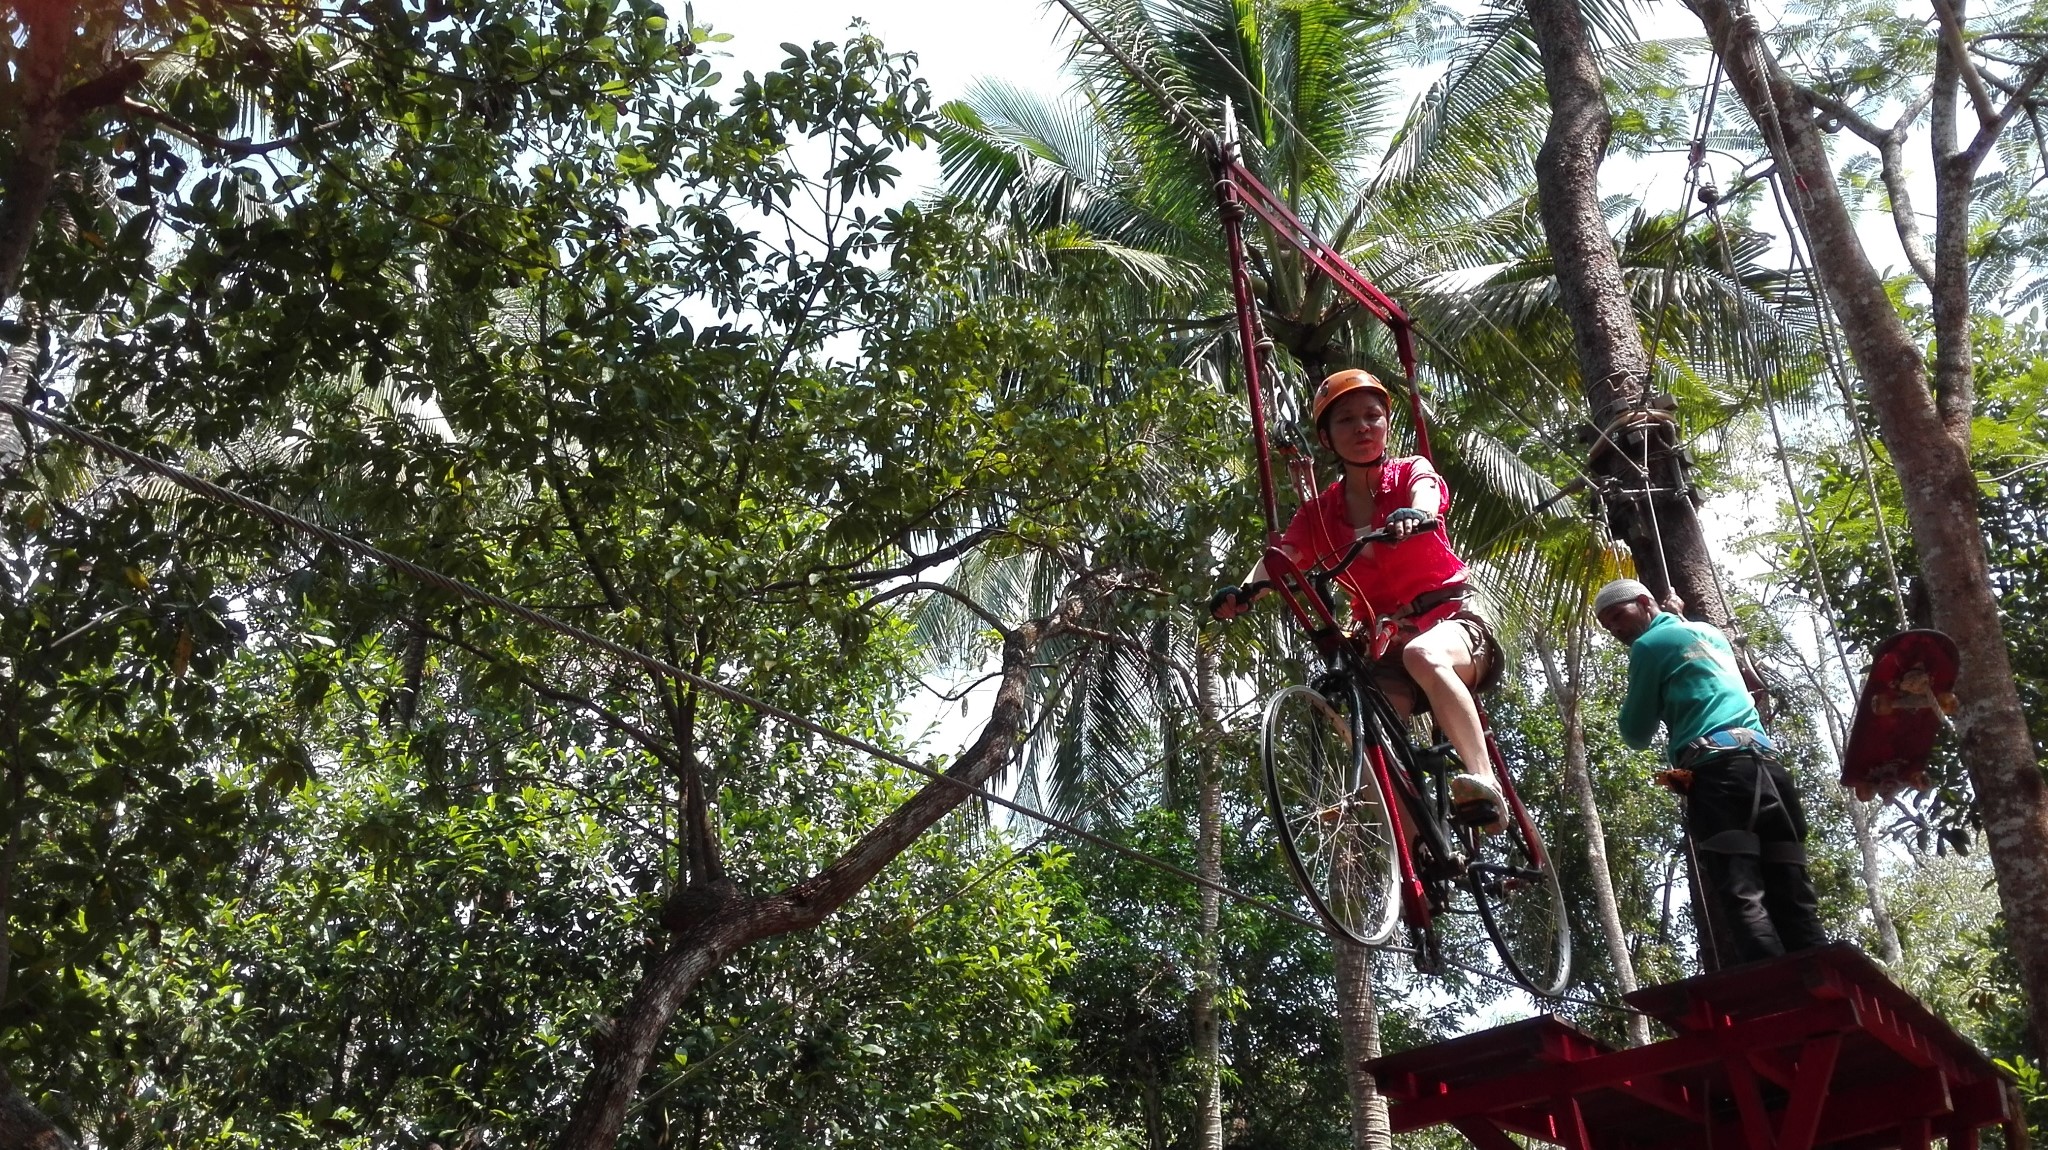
1440,210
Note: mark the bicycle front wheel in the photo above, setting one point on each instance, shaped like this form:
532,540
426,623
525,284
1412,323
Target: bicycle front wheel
1336,830
1523,908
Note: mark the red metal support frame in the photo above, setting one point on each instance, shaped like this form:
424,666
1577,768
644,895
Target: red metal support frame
1237,190
1813,1051
1288,228
1231,207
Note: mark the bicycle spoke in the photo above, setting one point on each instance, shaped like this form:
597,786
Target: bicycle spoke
1334,826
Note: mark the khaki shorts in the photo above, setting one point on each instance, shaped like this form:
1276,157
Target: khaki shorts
1388,668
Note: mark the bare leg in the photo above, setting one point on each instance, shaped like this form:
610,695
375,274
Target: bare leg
1442,663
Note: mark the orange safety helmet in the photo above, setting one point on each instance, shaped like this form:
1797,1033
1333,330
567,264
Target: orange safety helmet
1343,383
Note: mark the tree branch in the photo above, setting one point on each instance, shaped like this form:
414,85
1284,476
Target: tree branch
2021,100
657,746
202,138
1890,144
1958,48
1134,647
721,922
965,600
918,563
1849,117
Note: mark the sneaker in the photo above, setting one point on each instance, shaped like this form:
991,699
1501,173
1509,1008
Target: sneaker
1477,802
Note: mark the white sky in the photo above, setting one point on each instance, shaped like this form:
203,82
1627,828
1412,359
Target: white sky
1014,40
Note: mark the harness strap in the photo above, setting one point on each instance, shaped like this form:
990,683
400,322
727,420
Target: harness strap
1723,741
1429,600
1789,853
1732,842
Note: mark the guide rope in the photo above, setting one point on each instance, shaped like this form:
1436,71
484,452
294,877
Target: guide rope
1831,346
1806,532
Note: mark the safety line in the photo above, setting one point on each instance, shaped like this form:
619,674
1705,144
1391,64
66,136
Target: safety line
1832,352
1806,532
1514,412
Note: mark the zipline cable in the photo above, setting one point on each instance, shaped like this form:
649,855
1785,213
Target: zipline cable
1832,351
287,521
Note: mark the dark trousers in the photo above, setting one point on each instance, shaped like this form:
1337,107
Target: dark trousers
1747,825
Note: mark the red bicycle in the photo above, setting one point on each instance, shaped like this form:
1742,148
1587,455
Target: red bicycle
1364,815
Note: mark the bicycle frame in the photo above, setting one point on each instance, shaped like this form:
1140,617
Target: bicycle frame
1305,597
1311,608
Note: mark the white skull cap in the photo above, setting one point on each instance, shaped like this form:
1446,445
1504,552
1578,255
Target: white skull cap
1618,592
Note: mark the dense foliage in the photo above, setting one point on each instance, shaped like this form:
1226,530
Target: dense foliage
300,853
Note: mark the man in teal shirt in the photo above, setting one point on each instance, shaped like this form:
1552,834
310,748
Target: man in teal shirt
1741,809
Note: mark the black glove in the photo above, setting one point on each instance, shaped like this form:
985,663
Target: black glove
1231,596
1408,515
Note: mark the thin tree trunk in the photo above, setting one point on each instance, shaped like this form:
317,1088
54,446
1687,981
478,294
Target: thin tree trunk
1566,686
1358,1018
1209,862
712,922
1889,950
1927,432
1859,812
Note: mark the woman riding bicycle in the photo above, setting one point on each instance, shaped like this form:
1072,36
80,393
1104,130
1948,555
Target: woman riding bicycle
1416,583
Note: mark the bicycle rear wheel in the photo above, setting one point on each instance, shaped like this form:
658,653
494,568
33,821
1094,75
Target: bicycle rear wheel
1335,827
1523,908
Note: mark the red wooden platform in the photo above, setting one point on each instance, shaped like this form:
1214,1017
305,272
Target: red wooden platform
1810,1051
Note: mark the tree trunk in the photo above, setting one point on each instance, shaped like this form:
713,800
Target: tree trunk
1637,454
1928,435
22,1126
1646,487
713,920
1358,1018
1209,862
1566,686
39,124
1889,951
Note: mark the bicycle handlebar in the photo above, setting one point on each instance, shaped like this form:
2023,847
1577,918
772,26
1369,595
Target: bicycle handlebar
1320,579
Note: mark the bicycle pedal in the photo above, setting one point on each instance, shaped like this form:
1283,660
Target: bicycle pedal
1479,814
